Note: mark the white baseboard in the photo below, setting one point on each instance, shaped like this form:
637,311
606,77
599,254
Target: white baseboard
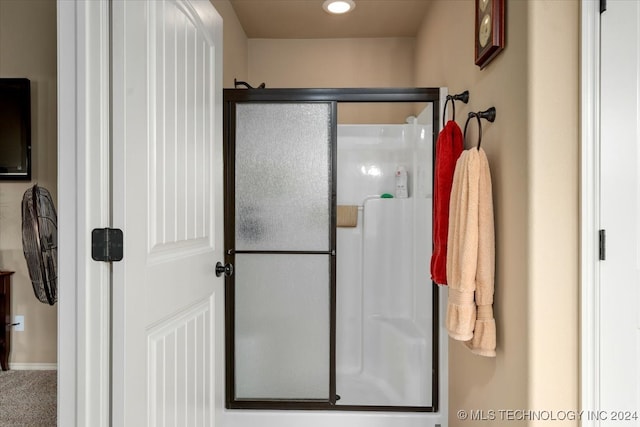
33,366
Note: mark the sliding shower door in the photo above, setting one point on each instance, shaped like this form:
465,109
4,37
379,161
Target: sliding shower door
281,243
287,334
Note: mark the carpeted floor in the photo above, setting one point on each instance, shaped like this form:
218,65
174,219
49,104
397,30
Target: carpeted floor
28,398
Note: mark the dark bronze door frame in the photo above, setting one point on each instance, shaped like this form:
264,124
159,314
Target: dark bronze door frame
334,96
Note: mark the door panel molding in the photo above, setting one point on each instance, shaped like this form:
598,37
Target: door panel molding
179,206
179,349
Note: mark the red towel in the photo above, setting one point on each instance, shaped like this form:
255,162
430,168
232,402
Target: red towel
449,146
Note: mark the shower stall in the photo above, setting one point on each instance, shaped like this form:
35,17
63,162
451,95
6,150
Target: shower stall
330,310
384,328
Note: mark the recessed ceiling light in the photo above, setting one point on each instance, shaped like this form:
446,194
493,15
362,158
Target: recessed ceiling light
338,6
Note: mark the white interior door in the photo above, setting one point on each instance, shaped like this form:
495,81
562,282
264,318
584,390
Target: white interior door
619,375
167,191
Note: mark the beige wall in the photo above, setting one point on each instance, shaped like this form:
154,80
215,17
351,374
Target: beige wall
554,158
533,152
338,63
28,49
323,63
446,58
235,50
327,63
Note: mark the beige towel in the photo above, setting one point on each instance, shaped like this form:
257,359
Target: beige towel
347,216
471,255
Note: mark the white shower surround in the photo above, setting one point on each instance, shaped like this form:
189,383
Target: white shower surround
384,294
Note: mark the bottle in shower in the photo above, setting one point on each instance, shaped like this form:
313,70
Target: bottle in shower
402,191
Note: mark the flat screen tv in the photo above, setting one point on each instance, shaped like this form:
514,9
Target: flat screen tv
15,129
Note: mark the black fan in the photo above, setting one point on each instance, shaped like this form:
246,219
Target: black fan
40,242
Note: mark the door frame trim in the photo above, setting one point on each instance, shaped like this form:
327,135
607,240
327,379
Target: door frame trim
590,207
84,199
435,96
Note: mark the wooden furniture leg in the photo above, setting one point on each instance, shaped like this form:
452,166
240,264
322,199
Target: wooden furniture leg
5,313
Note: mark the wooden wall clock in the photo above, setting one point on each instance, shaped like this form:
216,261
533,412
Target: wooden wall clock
489,37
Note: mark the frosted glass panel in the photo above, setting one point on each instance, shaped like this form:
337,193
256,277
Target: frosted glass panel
282,176
282,326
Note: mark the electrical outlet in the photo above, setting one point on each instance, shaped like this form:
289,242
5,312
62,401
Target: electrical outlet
18,323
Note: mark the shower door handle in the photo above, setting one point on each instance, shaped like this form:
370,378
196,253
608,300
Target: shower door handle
226,269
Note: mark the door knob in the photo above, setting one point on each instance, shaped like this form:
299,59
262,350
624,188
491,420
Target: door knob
226,269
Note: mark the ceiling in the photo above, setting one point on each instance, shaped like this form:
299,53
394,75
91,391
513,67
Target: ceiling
295,19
